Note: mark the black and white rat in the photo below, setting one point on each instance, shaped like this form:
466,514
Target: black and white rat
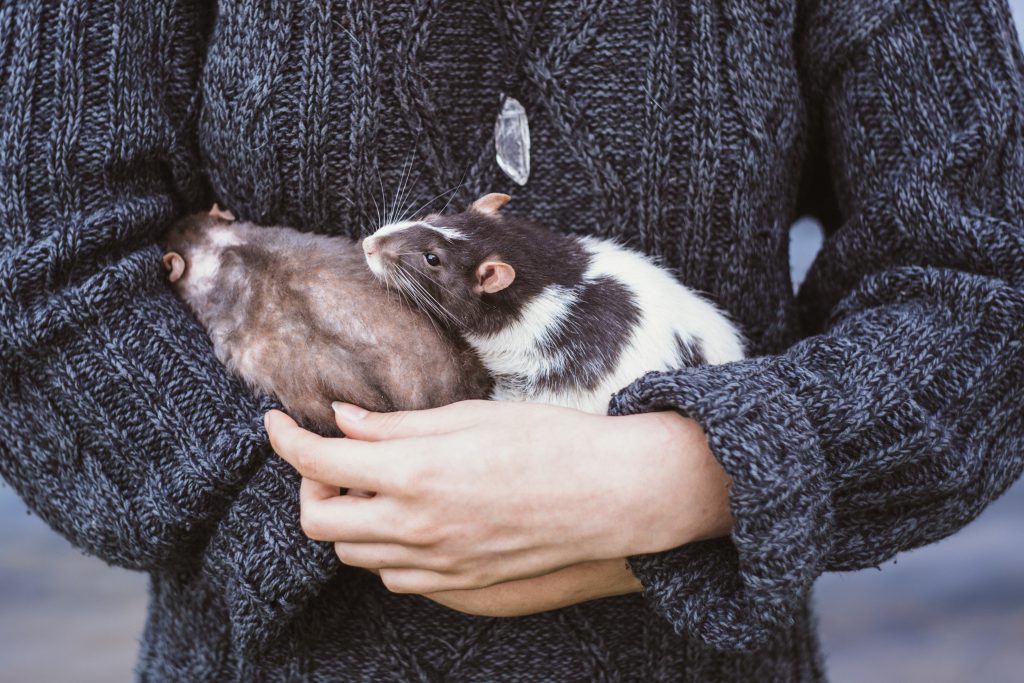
300,316
555,318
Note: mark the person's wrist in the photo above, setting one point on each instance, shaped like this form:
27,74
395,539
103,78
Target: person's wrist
681,494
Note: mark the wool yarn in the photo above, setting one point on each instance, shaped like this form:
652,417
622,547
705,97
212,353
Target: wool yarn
881,408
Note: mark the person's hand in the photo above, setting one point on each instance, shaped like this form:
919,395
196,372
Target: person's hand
570,586
482,492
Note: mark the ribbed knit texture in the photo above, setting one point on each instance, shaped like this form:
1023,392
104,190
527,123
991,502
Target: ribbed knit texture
882,408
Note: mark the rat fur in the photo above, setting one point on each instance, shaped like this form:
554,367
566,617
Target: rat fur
555,318
300,316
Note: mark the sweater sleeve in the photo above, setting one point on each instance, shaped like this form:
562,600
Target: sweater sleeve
902,417
117,425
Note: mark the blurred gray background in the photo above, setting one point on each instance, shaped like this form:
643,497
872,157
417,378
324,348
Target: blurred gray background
951,612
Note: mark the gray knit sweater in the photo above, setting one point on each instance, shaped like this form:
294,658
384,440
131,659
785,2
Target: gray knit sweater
882,408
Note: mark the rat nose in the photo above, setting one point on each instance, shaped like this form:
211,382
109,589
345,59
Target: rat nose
370,245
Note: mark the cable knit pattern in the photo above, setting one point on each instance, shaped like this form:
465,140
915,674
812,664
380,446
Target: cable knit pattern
881,408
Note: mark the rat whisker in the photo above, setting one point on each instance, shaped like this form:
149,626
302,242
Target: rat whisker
450,316
377,209
420,299
404,300
408,199
457,188
402,187
423,297
430,318
408,215
383,198
411,184
451,192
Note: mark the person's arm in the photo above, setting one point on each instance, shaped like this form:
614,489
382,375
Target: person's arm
901,419
543,499
118,426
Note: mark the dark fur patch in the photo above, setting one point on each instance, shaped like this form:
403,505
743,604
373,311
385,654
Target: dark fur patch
689,354
593,335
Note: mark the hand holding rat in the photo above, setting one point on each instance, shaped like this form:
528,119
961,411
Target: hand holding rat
482,492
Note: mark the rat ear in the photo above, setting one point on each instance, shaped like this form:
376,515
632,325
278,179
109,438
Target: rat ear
175,265
493,276
223,214
490,203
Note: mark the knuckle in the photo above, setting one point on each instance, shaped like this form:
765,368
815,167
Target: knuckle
469,580
411,479
422,531
483,578
421,477
448,564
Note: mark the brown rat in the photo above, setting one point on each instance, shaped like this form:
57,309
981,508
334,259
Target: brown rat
301,317
555,318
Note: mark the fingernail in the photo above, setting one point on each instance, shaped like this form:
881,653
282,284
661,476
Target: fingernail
347,411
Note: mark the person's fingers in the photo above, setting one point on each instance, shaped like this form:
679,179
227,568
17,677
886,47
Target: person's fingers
376,556
315,490
423,581
348,519
338,462
311,490
361,424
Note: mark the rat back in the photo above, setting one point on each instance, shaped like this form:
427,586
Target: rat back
301,317
577,344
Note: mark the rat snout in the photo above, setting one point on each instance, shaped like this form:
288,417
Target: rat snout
370,245
377,253
379,248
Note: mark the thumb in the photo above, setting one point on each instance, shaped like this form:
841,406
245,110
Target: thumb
359,423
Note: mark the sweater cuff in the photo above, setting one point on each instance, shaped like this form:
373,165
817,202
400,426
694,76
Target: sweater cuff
734,593
267,568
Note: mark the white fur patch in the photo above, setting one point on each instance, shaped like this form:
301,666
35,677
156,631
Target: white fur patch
375,264
205,260
224,237
392,228
666,307
519,348
203,269
448,233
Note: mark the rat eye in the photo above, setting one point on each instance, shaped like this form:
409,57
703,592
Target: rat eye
432,259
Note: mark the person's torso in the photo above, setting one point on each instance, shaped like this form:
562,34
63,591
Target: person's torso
675,128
